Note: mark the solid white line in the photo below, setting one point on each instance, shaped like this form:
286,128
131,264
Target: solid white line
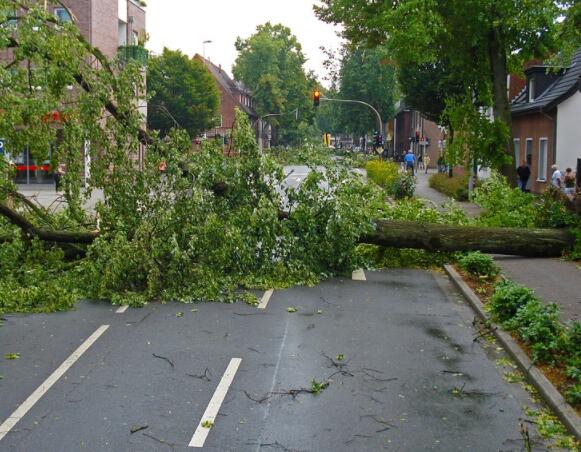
358,275
121,309
21,411
265,299
211,412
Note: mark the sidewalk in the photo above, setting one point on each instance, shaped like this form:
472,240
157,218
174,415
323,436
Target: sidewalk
553,280
47,197
424,191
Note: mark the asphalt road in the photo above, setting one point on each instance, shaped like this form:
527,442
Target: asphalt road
396,350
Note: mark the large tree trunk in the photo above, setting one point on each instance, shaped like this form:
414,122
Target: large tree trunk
395,234
437,237
501,105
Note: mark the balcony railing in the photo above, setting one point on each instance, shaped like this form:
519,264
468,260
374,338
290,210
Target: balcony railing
133,53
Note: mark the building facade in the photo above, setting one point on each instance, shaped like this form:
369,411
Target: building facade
115,27
546,121
233,95
411,130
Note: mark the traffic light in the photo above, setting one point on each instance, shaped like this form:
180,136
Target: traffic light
316,98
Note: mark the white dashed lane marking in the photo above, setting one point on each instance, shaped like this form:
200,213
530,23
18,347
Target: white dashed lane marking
209,416
265,299
25,407
121,309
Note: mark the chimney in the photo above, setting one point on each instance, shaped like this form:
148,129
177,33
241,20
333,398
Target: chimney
220,67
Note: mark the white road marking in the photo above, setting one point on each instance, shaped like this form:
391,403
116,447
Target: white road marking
121,309
358,275
211,412
21,411
265,299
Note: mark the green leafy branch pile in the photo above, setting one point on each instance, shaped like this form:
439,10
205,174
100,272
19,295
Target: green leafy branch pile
537,324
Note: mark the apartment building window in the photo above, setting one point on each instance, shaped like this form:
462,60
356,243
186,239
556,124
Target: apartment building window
122,33
529,151
516,142
62,15
542,173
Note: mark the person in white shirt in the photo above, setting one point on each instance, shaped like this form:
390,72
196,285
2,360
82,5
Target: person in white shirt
557,177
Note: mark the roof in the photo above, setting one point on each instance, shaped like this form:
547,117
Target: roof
232,87
561,89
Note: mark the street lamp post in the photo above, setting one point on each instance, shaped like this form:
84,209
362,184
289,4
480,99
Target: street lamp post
204,47
360,102
260,123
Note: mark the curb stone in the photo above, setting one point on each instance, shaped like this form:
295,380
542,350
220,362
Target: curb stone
565,412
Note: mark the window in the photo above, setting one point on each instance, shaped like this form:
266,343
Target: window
62,15
122,33
135,38
516,152
531,90
542,173
529,151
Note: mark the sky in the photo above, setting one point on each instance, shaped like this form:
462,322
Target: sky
186,24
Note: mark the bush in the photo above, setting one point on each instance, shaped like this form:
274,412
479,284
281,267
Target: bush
504,206
478,264
383,173
404,186
551,211
388,176
456,187
507,299
538,325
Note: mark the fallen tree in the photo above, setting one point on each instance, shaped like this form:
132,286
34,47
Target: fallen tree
440,237
393,234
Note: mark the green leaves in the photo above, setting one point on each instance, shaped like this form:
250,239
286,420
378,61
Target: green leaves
12,356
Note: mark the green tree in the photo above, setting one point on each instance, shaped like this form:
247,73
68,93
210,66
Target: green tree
481,40
184,94
366,75
271,64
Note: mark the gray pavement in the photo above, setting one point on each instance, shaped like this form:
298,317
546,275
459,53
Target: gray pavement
424,191
46,196
412,377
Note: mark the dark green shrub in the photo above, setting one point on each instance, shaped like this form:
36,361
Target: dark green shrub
404,186
507,299
538,326
456,187
573,394
478,264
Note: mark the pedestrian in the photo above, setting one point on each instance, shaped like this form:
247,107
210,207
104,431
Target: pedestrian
58,175
410,162
420,162
557,177
524,174
427,162
569,182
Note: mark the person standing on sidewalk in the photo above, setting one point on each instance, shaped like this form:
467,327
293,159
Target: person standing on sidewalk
427,162
58,175
524,174
410,162
557,177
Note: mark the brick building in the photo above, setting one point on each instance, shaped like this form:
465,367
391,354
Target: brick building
233,95
412,130
112,26
545,121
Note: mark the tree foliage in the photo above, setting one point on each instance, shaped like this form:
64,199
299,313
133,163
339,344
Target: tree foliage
271,64
480,41
365,75
183,94
201,228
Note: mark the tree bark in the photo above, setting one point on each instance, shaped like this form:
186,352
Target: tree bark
437,237
44,234
501,105
395,234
